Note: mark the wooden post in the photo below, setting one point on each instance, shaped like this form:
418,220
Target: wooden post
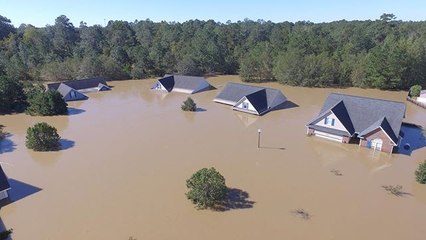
258,137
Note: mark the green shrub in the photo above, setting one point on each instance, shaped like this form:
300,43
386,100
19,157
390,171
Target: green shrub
415,91
42,137
46,103
206,188
421,173
189,105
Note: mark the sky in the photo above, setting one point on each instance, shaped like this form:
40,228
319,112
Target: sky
44,12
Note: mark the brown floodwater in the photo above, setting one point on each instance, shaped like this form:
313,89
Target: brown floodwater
129,151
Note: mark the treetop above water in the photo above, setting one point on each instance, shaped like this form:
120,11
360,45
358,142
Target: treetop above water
385,53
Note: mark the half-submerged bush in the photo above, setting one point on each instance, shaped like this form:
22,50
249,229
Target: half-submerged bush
189,105
421,173
415,91
206,188
42,137
46,103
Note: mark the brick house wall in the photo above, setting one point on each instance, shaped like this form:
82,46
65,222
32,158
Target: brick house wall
378,133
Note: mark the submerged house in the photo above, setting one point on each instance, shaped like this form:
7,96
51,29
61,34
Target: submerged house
250,99
375,123
72,90
182,84
422,97
4,185
70,94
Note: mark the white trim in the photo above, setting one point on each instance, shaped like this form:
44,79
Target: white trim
163,89
248,110
341,121
219,100
328,136
183,90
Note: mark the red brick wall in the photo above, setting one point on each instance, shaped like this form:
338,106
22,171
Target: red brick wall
378,133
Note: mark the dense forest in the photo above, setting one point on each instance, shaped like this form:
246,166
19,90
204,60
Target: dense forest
385,53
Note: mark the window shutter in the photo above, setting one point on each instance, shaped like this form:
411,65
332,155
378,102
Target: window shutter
332,122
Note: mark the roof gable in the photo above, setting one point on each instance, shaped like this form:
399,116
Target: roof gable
190,83
4,183
168,83
258,100
385,126
234,92
339,110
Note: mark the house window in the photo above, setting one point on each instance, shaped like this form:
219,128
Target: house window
72,94
245,105
329,121
158,86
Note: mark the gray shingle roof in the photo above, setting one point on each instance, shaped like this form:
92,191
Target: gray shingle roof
80,84
365,113
64,89
233,92
4,183
190,83
263,99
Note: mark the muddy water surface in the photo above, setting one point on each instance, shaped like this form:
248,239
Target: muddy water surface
129,151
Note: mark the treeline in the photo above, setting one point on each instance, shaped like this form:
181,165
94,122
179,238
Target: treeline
384,53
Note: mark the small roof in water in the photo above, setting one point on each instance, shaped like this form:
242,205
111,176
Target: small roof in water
191,83
4,183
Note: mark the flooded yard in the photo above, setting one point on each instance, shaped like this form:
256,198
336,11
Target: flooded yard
128,152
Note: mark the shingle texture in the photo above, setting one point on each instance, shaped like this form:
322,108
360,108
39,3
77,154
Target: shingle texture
262,99
190,83
80,84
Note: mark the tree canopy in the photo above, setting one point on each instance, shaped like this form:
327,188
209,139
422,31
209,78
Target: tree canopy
385,53
42,137
206,188
189,105
11,95
45,103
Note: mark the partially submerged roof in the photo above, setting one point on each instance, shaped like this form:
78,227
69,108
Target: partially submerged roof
233,92
4,183
364,114
80,84
64,89
191,84
263,99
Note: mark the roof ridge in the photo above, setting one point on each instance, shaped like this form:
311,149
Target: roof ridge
370,98
248,84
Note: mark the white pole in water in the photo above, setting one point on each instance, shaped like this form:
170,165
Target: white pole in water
258,137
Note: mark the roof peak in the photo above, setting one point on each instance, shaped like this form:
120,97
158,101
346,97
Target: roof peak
363,97
245,84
